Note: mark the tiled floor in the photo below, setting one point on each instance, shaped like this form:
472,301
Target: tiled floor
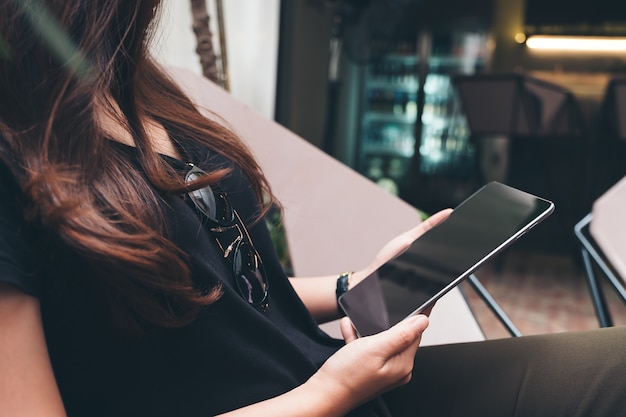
540,294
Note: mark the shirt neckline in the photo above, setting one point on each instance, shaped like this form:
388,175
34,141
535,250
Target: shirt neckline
173,161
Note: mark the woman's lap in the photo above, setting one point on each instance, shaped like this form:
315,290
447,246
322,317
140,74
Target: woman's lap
565,374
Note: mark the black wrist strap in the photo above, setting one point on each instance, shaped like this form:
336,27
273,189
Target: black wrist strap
343,283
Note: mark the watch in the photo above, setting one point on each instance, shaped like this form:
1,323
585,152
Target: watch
343,283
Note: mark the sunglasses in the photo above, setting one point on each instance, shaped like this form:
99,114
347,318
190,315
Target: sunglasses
233,239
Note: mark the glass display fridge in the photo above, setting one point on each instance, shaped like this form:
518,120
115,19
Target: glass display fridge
411,136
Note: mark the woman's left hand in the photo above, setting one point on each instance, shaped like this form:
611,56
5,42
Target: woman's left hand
398,245
318,293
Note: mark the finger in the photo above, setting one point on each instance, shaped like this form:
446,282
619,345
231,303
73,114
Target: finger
402,242
347,330
406,333
437,218
432,221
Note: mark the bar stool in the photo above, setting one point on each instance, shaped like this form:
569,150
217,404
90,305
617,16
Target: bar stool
602,237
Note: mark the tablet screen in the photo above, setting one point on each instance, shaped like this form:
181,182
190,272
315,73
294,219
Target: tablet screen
481,226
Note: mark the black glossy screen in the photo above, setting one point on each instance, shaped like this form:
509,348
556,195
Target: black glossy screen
481,226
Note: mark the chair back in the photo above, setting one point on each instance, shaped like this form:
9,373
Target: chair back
608,226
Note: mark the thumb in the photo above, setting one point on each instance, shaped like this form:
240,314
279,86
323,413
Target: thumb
406,333
347,330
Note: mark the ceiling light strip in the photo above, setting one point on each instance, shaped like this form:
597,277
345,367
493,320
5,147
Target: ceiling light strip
576,43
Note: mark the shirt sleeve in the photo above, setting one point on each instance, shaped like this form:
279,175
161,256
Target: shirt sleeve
20,259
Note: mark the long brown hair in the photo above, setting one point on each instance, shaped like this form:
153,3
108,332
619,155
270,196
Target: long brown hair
59,60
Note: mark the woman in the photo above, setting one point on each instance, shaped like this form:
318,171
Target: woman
137,310
136,277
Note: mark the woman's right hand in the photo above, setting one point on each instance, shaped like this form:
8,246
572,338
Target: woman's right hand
369,366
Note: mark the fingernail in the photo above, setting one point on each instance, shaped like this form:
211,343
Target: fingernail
419,320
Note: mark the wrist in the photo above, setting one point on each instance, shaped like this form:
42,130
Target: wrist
330,396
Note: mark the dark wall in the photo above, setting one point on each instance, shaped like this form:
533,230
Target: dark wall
305,28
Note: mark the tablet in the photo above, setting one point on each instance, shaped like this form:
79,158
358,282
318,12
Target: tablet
480,227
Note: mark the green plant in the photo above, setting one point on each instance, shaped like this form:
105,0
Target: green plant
276,227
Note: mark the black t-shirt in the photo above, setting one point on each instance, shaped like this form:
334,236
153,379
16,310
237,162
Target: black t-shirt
232,355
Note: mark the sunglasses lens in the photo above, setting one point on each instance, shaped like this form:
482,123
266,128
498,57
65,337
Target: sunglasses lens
249,274
212,204
204,200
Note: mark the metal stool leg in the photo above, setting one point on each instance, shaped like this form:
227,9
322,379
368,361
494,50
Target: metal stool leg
493,306
597,295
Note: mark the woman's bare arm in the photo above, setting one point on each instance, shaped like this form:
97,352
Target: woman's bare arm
27,383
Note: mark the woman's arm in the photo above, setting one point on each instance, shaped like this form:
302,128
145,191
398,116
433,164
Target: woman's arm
27,383
360,371
318,293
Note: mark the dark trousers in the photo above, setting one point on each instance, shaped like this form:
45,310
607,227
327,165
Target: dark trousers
565,374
